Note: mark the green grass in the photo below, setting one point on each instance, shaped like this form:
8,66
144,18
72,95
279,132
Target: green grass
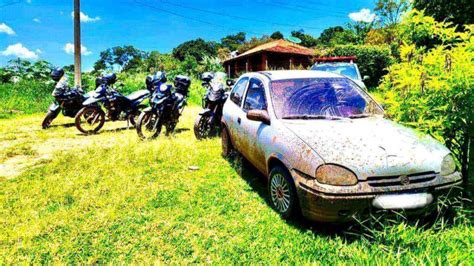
112,198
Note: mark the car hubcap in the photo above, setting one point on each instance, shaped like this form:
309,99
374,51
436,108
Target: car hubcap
280,193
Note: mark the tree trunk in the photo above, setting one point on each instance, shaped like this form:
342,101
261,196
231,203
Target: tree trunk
469,178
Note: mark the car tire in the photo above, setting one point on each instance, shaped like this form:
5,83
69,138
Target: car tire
227,148
282,193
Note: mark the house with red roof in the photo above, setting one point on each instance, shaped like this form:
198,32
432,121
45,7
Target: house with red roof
275,55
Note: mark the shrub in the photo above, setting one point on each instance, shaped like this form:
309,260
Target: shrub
433,89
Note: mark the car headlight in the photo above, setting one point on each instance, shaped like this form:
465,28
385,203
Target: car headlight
335,175
448,166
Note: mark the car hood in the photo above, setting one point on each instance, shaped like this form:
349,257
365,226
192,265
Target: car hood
370,146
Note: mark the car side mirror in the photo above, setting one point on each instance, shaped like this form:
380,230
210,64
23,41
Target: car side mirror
259,115
365,78
230,82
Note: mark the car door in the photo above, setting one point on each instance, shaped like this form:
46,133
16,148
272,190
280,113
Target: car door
233,111
252,132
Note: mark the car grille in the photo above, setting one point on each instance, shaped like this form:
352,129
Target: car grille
400,180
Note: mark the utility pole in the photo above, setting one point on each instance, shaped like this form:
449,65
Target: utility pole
77,42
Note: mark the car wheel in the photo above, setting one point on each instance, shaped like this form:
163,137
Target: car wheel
282,192
227,148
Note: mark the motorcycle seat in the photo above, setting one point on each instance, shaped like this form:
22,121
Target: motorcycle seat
138,95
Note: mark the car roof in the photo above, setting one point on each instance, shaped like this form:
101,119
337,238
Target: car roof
297,74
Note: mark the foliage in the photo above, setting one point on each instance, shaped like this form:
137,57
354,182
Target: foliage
196,48
307,40
460,12
233,42
390,12
26,96
371,60
433,89
142,205
125,58
277,35
19,69
254,42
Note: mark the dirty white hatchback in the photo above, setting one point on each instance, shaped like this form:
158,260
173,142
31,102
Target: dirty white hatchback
327,149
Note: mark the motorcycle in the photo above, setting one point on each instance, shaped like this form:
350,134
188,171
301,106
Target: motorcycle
165,108
69,102
207,124
91,118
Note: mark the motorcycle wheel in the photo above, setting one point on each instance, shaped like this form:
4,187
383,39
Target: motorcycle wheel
50,116
149,125
202,128
89,120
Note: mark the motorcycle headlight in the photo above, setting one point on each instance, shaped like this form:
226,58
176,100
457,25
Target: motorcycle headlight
335,175
448,166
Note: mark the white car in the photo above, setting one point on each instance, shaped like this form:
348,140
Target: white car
327,149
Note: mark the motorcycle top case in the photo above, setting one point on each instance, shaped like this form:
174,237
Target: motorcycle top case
182,84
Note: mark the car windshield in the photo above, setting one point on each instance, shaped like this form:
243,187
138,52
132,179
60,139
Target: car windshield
321,98
348,70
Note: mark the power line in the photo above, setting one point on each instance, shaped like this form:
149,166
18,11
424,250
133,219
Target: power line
10,4
239,17
303,9
158,9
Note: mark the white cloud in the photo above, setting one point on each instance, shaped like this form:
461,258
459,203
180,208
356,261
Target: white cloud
364,15
37,20
69,49
85,18
18,50
4,28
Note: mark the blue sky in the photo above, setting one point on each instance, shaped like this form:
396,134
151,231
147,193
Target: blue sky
41,29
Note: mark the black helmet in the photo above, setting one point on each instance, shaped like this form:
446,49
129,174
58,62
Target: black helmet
99,81
57,74
159,77
149,82
182,83
207,76
110,79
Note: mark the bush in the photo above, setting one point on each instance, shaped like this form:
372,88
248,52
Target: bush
26,96
434,89
372,60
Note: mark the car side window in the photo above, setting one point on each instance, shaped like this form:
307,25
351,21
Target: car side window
255,99
238,91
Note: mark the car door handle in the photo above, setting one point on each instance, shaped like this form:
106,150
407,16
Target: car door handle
239,120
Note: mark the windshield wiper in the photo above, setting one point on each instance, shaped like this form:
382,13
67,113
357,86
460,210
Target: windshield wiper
358,116
308,117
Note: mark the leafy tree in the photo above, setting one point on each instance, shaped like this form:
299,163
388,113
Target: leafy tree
155,61
360,31
329,34
125,58
306,39
276,35
233,42
460,12
390,12
433,88
196,48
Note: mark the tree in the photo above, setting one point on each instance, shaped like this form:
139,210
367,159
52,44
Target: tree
328,34
276,35
125,58
233,42
390,12
306,39
254,42
196,48
460,12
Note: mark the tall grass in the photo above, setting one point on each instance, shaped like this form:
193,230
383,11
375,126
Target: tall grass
24,97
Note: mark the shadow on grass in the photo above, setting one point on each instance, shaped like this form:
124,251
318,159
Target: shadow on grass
371,226
68,125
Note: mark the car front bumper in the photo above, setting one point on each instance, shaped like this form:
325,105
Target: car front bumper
328,207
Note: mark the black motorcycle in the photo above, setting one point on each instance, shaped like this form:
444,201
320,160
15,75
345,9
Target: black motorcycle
165,108
65,100
91,118
207,124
